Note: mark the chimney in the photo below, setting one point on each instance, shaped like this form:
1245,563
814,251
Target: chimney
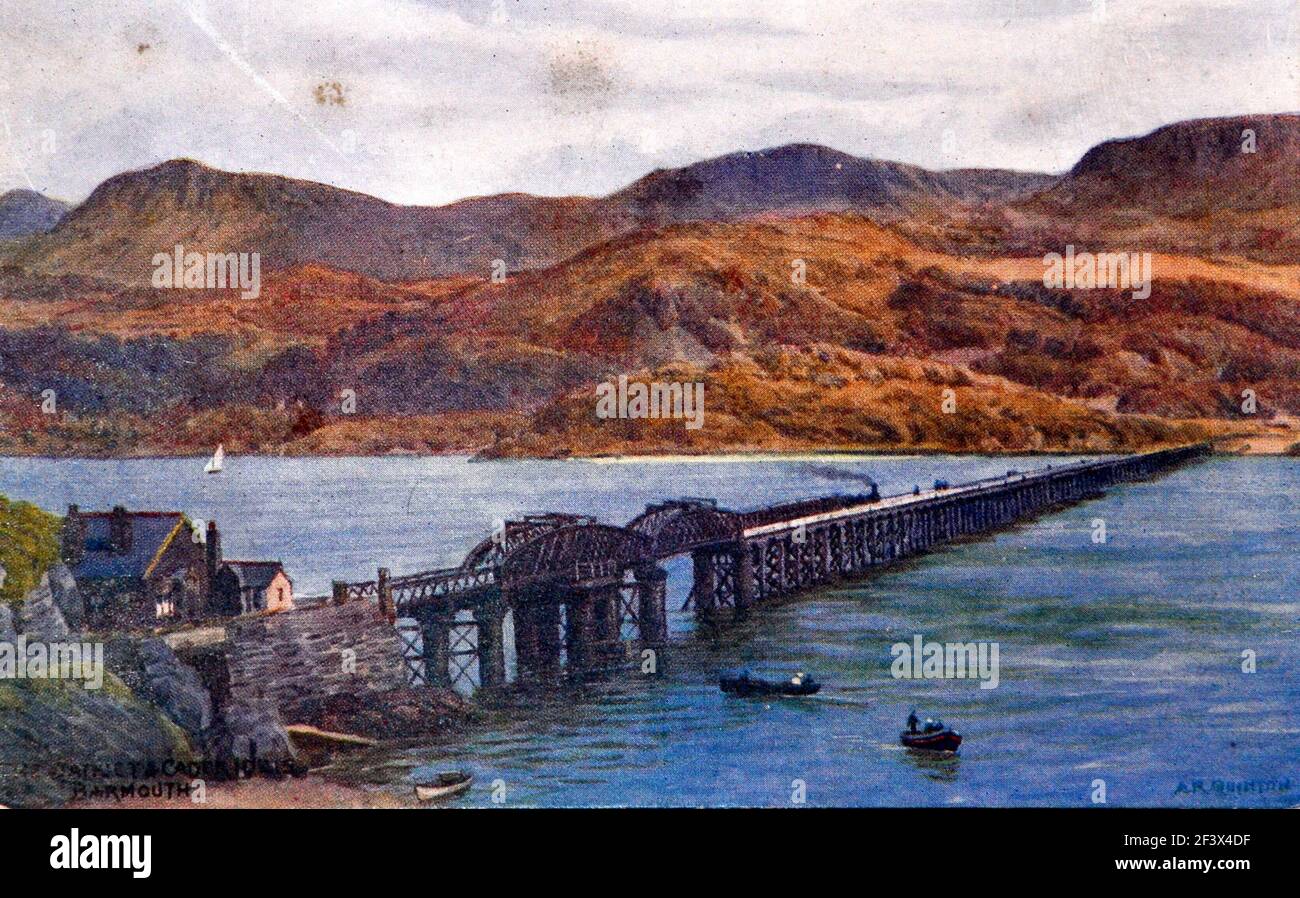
214,554
120,531
72,539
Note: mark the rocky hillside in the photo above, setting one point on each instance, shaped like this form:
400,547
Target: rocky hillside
26,212
1243,163
720,266
1209,187
58,736
800,179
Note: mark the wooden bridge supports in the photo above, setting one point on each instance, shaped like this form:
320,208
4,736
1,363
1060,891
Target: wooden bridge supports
725,577
385,589
743,563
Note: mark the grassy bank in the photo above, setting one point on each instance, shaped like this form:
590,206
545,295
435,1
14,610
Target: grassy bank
29,544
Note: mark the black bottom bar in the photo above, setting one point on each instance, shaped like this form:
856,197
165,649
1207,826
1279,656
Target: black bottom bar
954,848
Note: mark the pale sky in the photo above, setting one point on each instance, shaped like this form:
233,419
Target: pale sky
427,101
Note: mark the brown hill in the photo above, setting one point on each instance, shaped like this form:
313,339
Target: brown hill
800,179
1188,188
706,294
1187,169
115,233
127,219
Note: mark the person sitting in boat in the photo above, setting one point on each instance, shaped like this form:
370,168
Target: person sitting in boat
912,721
932,725
797,679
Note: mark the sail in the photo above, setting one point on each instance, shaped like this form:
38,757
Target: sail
218,458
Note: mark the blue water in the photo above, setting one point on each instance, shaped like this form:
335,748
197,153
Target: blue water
1119,661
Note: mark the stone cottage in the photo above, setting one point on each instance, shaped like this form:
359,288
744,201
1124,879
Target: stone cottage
140,569
246,586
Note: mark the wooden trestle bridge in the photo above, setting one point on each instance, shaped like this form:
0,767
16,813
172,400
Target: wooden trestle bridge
585,595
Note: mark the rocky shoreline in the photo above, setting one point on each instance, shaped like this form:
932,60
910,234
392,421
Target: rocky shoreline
163,726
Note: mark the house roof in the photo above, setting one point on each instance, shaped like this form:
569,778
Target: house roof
256,574
151,533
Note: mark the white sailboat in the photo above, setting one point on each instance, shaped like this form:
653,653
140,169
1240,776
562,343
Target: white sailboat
218,458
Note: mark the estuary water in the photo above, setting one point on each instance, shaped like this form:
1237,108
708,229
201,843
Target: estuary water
1120,662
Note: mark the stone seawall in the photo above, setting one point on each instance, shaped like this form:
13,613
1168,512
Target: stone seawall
336,666
300,658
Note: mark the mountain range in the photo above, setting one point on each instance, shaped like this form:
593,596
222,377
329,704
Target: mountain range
116,231
915,281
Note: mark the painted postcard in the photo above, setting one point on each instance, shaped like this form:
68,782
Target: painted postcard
442,404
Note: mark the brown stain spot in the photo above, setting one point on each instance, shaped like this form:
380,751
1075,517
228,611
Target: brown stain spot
140,48
580,74
330,93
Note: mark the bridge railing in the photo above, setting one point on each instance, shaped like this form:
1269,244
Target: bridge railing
417,588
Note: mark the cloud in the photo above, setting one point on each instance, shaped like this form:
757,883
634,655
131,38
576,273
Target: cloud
451,98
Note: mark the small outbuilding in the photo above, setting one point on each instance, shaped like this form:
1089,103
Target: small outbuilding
243,587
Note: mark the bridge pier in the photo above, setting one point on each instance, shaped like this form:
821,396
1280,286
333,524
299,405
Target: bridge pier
527,650
652,604
551,626
550,638
704,586
490,617
538,641
607,624
435,633
579,631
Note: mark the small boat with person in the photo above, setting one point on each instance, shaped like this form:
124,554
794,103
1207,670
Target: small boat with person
443,786
930,736
744,682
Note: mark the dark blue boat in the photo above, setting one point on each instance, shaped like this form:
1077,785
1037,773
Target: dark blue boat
744,682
